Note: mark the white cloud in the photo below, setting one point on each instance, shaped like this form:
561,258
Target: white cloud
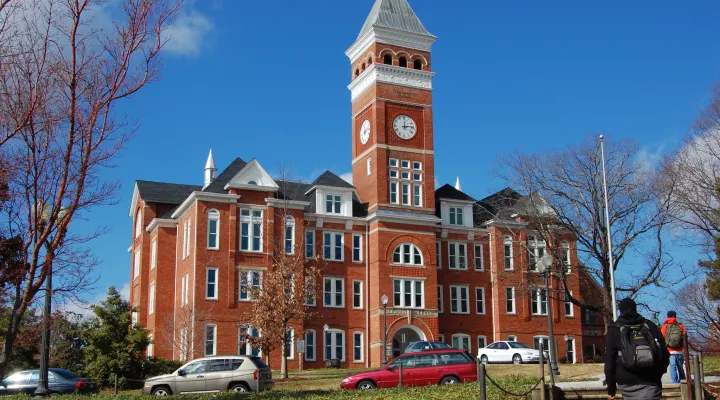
347,177
188,33
650,156
84,308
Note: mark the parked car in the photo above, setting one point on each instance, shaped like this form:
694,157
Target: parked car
509,352
415,347
60,381
214,374
443,367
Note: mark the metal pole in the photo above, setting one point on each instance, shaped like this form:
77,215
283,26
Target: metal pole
400,374
609,233
384,348
481,381
542,371
553,358
43,389
696,378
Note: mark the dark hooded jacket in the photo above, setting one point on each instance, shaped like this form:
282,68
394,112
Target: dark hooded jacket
615,372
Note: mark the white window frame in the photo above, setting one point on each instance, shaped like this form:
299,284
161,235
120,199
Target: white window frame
251,220
537,298
150,347
570,314
362,347
405,193
184,241
245,348
457,214
184,344
134,318
394,163
137,263
188,238
333,292
405,164
138,223
413,293
480,300
441,299
441,338
310,288
417,195
394,192
213,216
359,248
484,340
333,246
457,259
514,300
182,291
462,337
408,250
335,209
151,299
333,343
248,274
214,340
542,337
457,301
153,254
438,257
512,338
310,244
311,343
566,257
573,347
508,259
369,166
187,289
292,344
358,295
289,224
534,249
478,257
208,283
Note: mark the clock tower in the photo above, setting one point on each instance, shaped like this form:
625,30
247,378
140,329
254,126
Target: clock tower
394,172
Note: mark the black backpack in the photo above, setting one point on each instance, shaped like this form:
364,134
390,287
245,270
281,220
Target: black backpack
639,349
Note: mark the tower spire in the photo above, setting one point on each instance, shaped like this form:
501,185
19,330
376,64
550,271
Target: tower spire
210,170
396,15
457,184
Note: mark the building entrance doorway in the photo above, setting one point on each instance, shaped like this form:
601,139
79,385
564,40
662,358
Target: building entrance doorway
403,337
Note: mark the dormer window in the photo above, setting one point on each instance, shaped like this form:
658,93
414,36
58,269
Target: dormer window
252,183
333,204
456,216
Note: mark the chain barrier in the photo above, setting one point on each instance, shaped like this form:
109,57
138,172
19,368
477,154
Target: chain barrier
511,393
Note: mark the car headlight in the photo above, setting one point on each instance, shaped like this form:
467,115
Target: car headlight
147,384
346,380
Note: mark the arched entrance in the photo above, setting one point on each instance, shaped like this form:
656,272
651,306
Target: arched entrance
403,337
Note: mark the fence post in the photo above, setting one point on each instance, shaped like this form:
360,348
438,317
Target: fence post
400,375
696,379
691,393
702,367
116,387
481,381
542,371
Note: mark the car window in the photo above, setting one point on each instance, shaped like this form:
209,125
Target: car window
518,345
502,346
426,360
197,367
236,363
258,362
34,378
18,378
65,373
219,365
492,346
52,377
454,358
406,362
441,345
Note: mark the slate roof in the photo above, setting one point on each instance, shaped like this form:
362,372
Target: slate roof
501,204
218,185
329,179
449,192
168,193
394,14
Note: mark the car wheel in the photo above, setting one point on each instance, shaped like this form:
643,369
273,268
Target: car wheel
484,359
366,385
517,359
161,391
240,388
449,380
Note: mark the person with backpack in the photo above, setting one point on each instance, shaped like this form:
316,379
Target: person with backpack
636,357
674,334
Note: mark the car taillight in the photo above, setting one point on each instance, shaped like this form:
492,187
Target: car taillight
80,384
255,375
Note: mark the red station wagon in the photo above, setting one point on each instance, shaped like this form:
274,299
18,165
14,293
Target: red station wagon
444,367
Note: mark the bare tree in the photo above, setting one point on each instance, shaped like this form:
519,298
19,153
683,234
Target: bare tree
175,331
699,312
60,82
566,198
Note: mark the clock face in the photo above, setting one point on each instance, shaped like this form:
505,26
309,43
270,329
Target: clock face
404,127
365,132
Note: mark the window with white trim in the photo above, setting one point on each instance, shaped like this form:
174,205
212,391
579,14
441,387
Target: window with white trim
512,338
333,246
510,300
441,338
290,344
357,248
138,223
569,306
406,182
310,343
481,342
394,192
251,227
408,293
407,254
187,238
153,254
459,299
309,243
289,235
566,257
536,249
480,300
456,216
441,308
151,299
457,256
249,280
151,346
187,288
405,193
545,340
211,280
310,290
134,318
333,203
369,166
417,195
357,294
461,341
245,347
334,292
438,254
508,253
334,345
182,291
210,340
358,347
184,344
136,262
539,302
213,242
184,239
478,254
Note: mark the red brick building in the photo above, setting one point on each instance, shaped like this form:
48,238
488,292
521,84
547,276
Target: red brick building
455,269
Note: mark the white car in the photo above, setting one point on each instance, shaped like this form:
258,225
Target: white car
509,352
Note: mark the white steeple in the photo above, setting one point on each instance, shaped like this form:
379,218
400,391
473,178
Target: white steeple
210,170
457,184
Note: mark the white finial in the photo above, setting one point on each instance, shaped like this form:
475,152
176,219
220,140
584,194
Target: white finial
457,184
210,170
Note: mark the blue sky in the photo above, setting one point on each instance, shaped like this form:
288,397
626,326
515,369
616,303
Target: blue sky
268,80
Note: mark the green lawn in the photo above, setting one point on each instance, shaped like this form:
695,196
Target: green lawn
711,365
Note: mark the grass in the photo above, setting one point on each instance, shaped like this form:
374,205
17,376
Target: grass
711,365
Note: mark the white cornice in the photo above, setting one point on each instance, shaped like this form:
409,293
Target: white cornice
447,200
161,223
133,202
403,217
331,189
203,196
389,36
505,223
291,204
408,77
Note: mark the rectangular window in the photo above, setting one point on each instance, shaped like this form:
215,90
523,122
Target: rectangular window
440,299
457,255
310,345
333,204
189,224
510,300
536,249
393,174
566,257
569,307
310,244
417,194
211,284
369,166
357,347
512,338
151,300
539,302
357,294
289,237
441,338
151,346
456,216
249,280
406,194
210,339
136,266
480,300
184,240
417,165
153,254
408,293
184,344
479,263
290,344
438,253
187,288
405,164
251,230
334,345
482,342
394,192
393,162
182,291
310,291
405,175
461,341
245,347
334,292
333,246
417,176
213,229
541,339
357,248
459,300
508,253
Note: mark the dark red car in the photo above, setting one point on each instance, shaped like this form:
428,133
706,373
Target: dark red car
443,367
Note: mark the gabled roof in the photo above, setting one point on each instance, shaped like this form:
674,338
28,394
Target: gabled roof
497,205
251,176
449,192
329,179
394,14
218,185
168,193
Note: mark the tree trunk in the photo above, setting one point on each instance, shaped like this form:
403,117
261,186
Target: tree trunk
607,298
283,361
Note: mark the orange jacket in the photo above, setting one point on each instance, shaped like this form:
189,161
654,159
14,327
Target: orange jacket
663,329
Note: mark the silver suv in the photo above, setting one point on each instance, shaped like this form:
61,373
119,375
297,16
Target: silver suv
214,374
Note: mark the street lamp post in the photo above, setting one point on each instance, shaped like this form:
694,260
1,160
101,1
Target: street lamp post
384,299
544,266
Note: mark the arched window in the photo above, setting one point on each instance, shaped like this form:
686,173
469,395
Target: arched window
370,61
363,67
418,64
289,235
252,183
403,62
387,59
213,229
138,223
357,73
407,253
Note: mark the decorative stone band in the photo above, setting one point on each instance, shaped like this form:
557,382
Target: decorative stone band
401,76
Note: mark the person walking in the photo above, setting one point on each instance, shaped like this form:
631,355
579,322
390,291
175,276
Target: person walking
636,357
674,334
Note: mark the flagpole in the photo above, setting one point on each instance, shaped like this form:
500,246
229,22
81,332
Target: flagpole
609,233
